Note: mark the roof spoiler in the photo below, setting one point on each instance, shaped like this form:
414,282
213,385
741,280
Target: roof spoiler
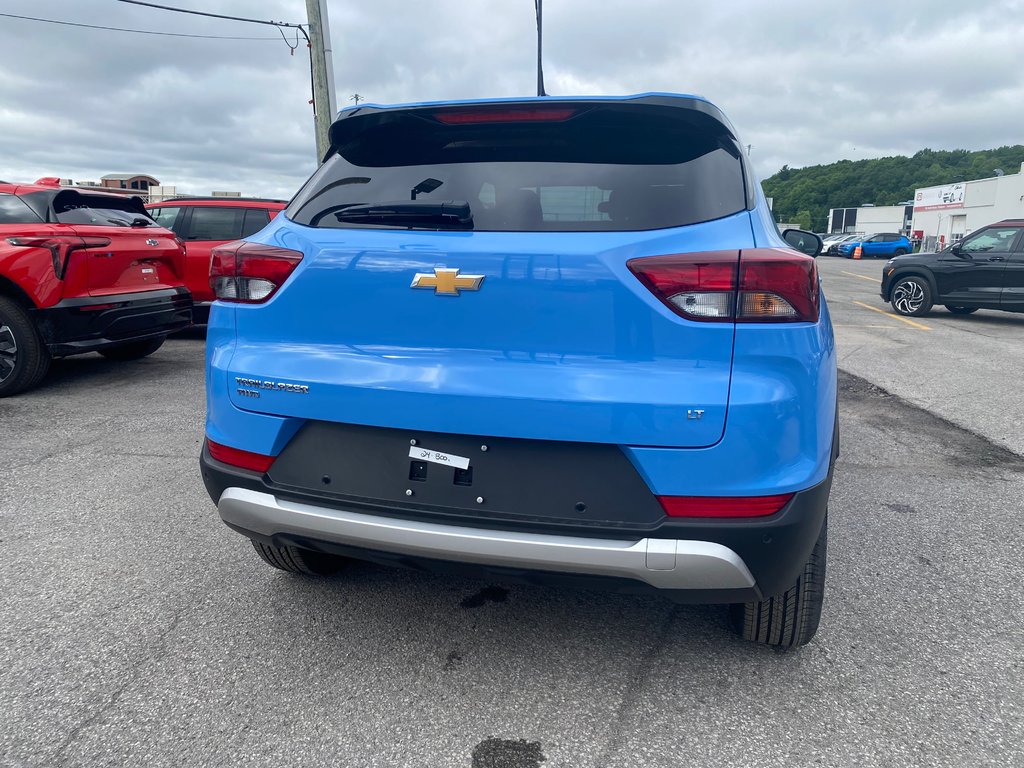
354,120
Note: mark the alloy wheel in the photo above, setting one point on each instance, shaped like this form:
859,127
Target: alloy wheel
908,297
8,352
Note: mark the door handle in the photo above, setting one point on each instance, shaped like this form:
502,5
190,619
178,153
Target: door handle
997,258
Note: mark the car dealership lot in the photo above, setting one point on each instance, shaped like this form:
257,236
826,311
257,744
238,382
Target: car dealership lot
138,630
963,368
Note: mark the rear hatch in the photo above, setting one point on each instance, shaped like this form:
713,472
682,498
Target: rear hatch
141,256
544,332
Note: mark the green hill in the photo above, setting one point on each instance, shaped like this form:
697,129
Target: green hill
804,195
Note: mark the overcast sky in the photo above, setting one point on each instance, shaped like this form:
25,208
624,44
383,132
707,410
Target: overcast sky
804,82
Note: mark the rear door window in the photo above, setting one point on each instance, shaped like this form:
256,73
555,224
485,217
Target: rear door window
255,220
166,216
216,223
14,211
604,168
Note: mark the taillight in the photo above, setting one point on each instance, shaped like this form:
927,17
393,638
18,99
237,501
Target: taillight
60,248
698,286
250,273
236,457
723,506
759,285
777,285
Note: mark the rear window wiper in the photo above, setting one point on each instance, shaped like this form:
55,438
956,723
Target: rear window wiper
450,213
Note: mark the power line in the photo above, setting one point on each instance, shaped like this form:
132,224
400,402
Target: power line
211,15
136,31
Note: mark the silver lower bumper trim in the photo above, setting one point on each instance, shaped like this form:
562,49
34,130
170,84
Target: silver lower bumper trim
662,563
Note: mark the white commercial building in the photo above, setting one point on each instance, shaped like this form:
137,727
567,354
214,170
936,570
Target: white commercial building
945,214
870,219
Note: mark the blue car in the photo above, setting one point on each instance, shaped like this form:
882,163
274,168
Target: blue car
545,339
881,245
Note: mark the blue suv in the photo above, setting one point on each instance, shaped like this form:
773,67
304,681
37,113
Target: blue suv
884,245
544,339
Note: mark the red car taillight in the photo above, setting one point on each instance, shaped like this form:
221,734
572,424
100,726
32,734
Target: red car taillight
723,506
239,458
60,248
250,273
757,285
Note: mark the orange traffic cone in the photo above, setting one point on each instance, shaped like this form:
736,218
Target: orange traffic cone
856,252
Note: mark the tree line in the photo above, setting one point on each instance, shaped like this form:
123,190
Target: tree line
804,196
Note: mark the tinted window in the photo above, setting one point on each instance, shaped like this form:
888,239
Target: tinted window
73,207
14,211
209,223
604,169
165,217
255,220
994,239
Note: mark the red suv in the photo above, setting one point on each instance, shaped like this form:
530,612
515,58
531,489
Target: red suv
206,222
82,271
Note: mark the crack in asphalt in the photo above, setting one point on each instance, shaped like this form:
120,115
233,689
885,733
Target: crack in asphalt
159,651
636,684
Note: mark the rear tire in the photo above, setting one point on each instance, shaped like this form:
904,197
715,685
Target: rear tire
133,351
302,561
911,296
790,619
961,310
24,359
900,252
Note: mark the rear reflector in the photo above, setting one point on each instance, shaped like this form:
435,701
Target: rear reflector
250,273
723,506
757,285
257,462
529,115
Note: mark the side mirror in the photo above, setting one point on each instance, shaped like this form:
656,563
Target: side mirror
805,242
957,250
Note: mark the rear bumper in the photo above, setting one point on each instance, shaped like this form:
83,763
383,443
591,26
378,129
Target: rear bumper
89,323
661,563
694,560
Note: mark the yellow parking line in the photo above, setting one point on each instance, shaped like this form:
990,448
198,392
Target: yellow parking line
862,277
851,325
919,326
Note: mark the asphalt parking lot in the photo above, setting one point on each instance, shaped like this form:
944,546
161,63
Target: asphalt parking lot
139,631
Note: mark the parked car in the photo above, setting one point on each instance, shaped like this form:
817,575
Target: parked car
831,246
82,271
551,340
985,270
204,223
881,245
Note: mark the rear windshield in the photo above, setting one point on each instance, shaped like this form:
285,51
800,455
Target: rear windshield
72,207
603,169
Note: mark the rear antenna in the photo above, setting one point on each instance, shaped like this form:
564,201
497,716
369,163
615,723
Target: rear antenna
539,7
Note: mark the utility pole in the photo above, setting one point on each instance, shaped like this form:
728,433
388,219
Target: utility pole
538,6
324,104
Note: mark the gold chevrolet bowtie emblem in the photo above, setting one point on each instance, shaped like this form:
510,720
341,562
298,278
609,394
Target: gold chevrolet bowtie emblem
447,282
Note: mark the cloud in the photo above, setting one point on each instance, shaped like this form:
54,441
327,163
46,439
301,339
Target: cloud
803,82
